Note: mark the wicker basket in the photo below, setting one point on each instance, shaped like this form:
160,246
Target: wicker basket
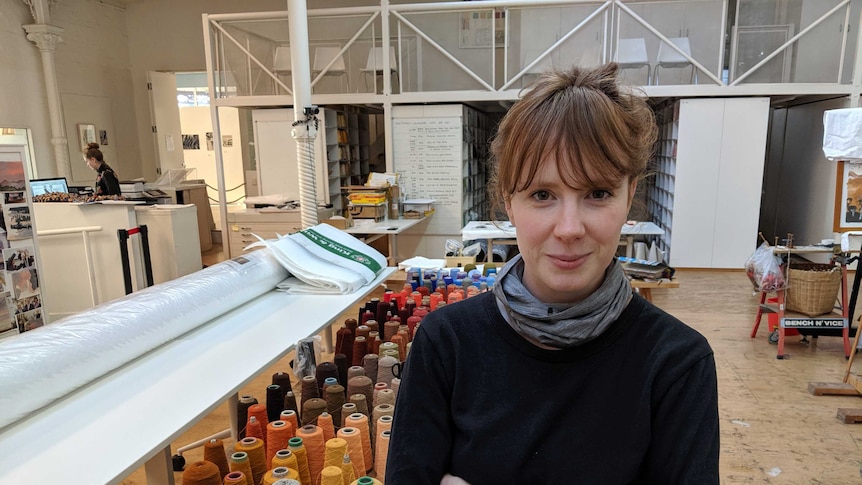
812,288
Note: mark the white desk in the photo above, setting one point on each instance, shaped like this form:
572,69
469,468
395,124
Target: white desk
66,286
375,230
503,232
194,194
107,429
629,232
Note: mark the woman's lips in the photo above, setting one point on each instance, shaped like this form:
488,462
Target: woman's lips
568,261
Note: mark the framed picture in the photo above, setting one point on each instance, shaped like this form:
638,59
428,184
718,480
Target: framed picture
86,134
479,28
848,197
191,142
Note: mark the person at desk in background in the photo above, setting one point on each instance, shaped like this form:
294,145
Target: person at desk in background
106,179
560,375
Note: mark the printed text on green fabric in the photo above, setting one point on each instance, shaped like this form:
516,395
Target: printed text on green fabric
341,250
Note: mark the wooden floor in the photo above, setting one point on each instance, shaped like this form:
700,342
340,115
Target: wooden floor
773,431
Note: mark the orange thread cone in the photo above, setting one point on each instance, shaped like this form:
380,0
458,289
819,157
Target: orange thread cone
239,462
354,448
277,435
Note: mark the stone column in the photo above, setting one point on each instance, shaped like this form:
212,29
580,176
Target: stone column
46,37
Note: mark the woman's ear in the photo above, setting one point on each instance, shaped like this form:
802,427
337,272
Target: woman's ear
507,203
633,185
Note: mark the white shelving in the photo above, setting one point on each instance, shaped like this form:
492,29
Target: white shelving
660,193
341,151
474,205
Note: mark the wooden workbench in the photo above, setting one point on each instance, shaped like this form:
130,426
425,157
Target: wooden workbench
644,288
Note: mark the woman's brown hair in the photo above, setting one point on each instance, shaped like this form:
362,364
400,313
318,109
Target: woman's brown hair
597,131
92,151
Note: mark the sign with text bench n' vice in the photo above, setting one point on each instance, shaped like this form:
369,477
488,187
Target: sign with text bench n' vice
813,323
428,159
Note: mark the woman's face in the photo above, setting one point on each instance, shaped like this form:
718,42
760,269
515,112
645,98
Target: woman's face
567,237
91,162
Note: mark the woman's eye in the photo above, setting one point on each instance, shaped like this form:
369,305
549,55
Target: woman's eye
600,194
541,195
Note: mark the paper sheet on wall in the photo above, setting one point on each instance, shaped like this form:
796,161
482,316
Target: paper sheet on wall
169,143
428,161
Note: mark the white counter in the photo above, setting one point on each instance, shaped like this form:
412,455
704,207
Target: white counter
174,248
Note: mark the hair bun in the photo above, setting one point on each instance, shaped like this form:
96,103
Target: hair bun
93,145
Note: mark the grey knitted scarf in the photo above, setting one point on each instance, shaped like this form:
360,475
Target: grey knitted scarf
561,325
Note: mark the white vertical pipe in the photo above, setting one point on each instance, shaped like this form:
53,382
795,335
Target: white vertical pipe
297,19
387,91
387,41
304,134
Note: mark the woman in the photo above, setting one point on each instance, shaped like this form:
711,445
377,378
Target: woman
561,375
106,180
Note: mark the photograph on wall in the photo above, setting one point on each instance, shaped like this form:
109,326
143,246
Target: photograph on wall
29,320
848,194
86,134
28,304
191,142
4,241
18,222
103,137
7,317
25,283
227,140
12,177
209,136
19,258
14,197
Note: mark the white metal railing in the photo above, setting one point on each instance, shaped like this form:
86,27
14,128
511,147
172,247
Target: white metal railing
781,49
413,76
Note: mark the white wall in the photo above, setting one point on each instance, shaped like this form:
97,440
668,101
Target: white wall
197,120
92,62
176,45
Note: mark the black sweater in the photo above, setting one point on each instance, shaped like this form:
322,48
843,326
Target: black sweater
638,404
106,181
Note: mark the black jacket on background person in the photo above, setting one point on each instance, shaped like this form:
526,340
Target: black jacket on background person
106,181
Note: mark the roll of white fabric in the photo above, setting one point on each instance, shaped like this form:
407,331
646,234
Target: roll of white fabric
42,365
324,260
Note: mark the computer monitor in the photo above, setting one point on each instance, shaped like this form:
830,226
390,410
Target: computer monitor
43,186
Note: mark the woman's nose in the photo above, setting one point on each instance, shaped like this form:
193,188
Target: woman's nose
569,222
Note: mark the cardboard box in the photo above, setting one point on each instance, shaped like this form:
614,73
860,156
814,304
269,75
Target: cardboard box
376,212
459,261
340,222
392,197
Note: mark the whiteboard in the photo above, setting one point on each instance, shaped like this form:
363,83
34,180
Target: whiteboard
428,160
